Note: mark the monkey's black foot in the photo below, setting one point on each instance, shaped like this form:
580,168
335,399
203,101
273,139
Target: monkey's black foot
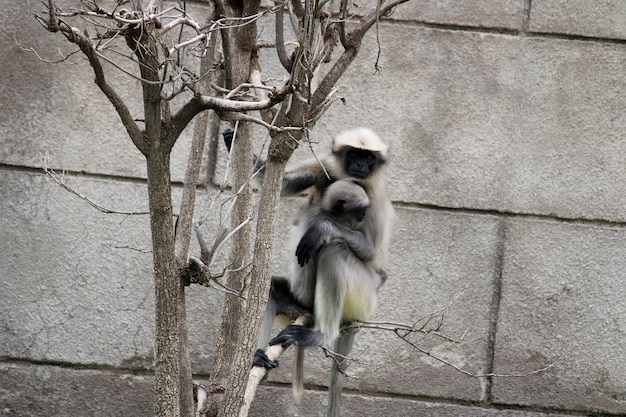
261,359
300,335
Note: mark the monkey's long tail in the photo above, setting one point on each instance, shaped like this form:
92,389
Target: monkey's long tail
298,376
343,346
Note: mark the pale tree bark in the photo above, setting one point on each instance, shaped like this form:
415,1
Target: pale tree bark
241,261
185,227
239,45
259,287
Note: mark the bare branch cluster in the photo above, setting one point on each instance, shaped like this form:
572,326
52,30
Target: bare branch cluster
432,325
182,40
121,33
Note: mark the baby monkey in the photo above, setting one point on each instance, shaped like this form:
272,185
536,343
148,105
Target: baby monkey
332,275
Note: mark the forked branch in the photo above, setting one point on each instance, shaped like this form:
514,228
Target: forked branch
351,43
86,45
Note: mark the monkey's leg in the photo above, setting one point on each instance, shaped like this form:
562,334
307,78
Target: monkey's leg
334,262
300,335
281,303
260,358
343,347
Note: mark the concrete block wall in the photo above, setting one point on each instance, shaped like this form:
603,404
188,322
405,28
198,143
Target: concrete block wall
508,139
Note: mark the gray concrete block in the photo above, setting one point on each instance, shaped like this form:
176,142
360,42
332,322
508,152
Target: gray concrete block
478,13
276,402
602,19
434,255
563,297
493,121
56,110
69,289
77,284
40,390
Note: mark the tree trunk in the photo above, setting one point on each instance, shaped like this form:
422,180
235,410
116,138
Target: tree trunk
166,285
168,289
256,297
241,258
185,227
238,45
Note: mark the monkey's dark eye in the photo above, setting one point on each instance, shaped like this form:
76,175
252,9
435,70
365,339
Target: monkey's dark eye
360,214
338,208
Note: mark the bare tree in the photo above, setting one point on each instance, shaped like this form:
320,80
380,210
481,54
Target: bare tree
176,58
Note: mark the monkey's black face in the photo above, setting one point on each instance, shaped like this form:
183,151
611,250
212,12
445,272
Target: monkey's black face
360,163
342,208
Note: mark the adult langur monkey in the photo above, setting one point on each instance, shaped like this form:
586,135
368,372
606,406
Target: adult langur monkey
358,155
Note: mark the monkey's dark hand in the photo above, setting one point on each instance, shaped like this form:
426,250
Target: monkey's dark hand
306,247
228,138
291,334
261,359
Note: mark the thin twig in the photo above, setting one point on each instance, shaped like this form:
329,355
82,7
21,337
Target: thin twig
60,181
42,59
247,118
482,375
229,235
129,248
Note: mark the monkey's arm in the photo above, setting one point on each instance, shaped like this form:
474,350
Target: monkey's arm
304,175
323,231
296,179
310,242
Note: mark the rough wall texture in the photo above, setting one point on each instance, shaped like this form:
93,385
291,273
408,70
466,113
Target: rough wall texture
508,135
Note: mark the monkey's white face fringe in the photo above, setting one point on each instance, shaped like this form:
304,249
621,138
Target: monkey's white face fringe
362,138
